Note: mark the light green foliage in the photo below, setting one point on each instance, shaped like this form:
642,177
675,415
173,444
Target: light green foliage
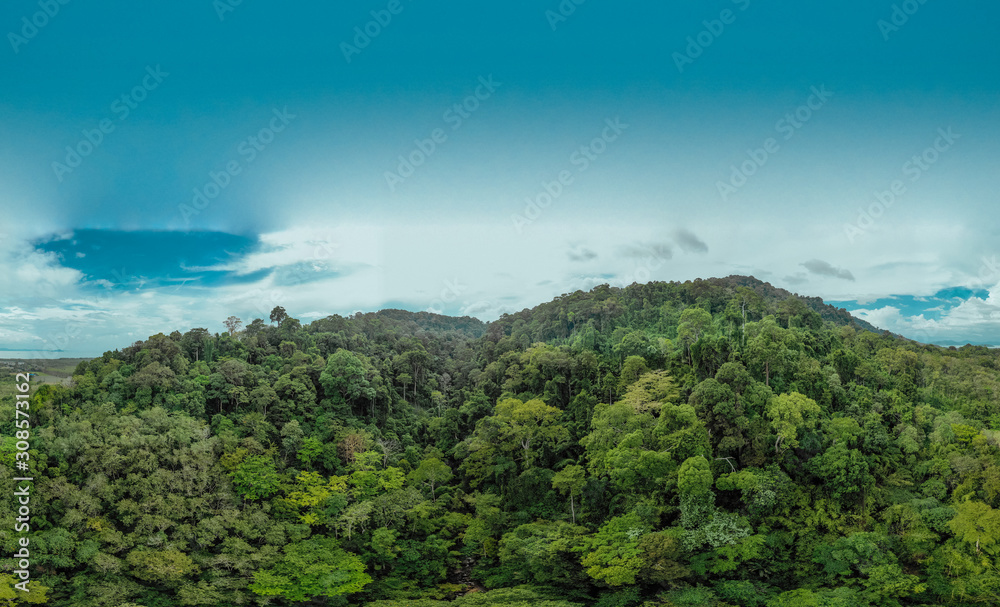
790,415
724,529
262,398
695,476
391,479
964,433
717,404
800,597
769,345
865,558
694,323
310,449
977,524
317,499
650,391
544,553
345,376
703,524
663,557
633,467
10,596
570,481
487,525
256,477
355,516
957,572
431,473
409,603
312,568
611,423
516,431
383,543
162,566
724,544
622,445
845,472
887,582
698,596
519,596
845,430
612,554
529,425
694,483
758,487
910,440
680,432
633,368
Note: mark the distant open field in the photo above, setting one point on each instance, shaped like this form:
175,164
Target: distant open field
46,371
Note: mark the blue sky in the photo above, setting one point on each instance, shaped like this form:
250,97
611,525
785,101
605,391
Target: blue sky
165,165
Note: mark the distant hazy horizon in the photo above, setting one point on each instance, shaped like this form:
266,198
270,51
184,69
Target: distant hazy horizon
10,354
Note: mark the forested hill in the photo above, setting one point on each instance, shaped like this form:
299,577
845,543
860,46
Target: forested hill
642,302
714,443
839,316
407,323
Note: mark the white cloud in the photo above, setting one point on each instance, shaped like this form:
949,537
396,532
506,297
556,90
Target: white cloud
974,320
26,272
484,270
347,245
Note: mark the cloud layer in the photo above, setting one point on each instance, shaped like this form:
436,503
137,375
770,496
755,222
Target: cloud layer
459,269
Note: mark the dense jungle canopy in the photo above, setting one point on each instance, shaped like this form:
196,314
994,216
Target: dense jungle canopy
713,443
